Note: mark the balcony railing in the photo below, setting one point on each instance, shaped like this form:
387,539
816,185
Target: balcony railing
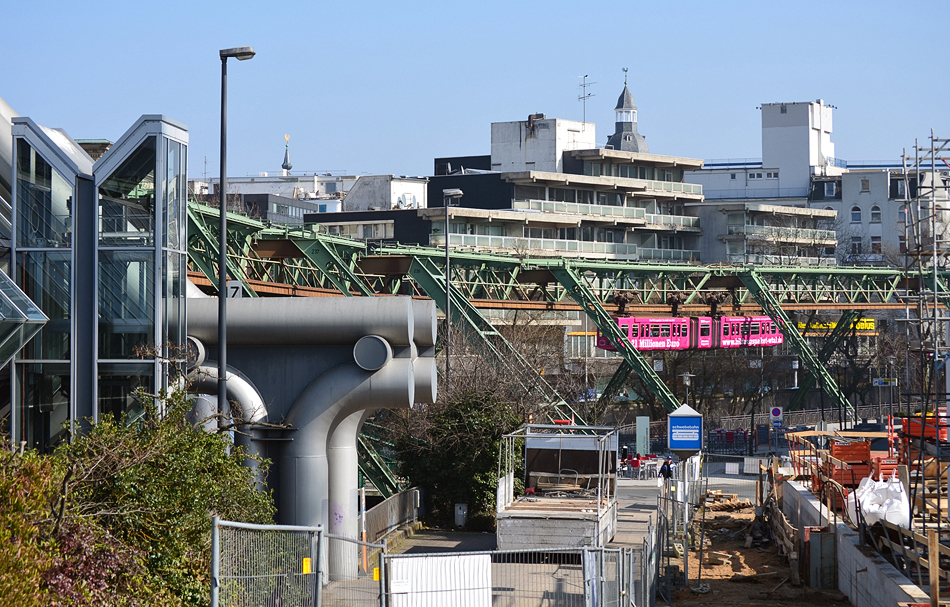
784,233
673,220
577,208
669,254
578,247
779,260
749,193
674,186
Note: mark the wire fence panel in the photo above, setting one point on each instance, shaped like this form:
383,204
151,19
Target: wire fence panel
573,577
354,573
256,565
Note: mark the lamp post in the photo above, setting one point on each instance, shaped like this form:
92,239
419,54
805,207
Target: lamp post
448,196
686,381
241,53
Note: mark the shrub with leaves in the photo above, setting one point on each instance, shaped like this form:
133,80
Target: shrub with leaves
451,449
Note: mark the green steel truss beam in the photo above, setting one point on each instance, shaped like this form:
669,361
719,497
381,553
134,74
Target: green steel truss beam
375,468
759,290
570,279
431,280
841,330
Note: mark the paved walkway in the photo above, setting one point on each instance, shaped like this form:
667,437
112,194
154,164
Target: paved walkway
636,502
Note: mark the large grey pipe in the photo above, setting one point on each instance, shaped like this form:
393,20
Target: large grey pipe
241,390
302,321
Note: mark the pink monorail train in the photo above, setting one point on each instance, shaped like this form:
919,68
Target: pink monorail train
697,333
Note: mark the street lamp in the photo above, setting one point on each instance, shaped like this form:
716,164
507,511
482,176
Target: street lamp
241,53
686,377
449,196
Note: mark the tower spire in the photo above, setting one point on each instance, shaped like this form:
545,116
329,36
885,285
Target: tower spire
286,165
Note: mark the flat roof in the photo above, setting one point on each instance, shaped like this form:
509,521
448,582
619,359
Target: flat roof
655,159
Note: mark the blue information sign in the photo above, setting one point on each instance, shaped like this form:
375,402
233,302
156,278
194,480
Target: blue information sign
685,431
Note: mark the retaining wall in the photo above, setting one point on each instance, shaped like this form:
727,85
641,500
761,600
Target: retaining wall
866,577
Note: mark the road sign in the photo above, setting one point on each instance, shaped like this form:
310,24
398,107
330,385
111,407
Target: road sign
685,432
884,381
777,417
235,289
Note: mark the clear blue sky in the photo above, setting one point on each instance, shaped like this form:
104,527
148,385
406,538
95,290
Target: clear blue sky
383,87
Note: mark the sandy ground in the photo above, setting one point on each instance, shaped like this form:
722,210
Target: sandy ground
773,589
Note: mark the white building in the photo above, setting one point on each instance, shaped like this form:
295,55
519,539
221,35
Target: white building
538,143
386,192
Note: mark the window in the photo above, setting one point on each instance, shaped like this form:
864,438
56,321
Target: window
755,328
634,331
654,330
725,330
771,175
685,331
902,244
855,245
667,175
900,188
865,185
902,214
745,328
783,109
732,176
664,330
875,214
755,175
855,214
829,189
876,245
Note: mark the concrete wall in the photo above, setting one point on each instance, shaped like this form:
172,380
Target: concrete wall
866,577
385,192
539,146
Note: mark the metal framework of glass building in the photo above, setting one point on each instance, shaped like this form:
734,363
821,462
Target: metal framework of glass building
101,248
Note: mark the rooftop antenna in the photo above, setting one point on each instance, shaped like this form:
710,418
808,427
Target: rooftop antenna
585,96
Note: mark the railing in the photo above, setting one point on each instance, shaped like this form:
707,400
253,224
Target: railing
578,208
673,220
785,233
746,193
726,163
798,418
392,512
673,186
579,247
671,254
779,260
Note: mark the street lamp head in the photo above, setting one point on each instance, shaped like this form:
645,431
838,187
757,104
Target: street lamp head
452,193
241,53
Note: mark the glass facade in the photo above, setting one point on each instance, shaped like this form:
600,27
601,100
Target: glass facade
126,215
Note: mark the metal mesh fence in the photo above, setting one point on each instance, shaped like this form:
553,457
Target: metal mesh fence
571,577
354,572
257,565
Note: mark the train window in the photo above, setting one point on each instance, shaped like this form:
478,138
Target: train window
735,329
755,328
676,330
745,328
725,330
654,330
634,330
704,330
685,332
664,330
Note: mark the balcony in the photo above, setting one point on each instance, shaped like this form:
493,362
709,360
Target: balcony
577,248
754,193
673,186
684,221
577,208
780,233
669,254
741,259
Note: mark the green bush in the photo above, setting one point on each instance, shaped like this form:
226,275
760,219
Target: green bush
456,458
122,514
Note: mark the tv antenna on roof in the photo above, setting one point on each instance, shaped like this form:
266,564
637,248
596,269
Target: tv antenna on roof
585,96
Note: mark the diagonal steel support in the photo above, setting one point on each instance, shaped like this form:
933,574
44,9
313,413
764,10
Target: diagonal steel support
616,383
431,280
581,293
763,296
841,330
375,469
337,271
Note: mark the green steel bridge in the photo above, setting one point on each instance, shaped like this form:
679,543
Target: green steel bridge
283,261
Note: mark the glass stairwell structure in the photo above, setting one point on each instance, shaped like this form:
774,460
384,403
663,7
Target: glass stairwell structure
100,248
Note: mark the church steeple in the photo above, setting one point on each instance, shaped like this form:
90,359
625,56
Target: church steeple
286,166
626,137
